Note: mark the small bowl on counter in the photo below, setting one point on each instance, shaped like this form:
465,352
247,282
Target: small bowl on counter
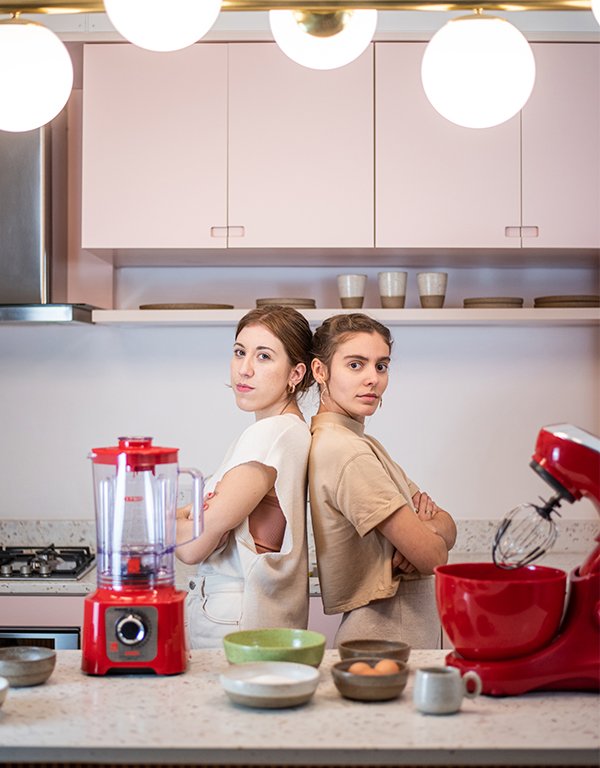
24,665
381,649
270,684
302,646
370,685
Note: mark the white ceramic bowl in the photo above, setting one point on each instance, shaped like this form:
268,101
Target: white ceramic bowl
270,684
4,686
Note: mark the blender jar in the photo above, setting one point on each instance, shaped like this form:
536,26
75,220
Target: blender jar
135,490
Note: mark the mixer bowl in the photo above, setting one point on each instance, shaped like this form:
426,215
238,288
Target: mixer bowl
489,613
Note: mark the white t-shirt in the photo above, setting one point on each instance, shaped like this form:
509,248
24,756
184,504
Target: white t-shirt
275,584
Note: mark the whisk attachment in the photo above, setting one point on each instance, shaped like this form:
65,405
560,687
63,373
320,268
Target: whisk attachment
526,533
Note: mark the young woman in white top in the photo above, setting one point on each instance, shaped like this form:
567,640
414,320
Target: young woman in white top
252,554
378,537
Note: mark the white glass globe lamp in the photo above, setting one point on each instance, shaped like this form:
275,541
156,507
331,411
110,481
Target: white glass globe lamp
162,26
38,75
323,40
596,10
478,71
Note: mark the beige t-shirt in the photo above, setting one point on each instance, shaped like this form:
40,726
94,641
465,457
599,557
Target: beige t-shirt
354,485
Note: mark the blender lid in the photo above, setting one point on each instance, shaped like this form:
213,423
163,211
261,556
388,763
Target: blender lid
139,454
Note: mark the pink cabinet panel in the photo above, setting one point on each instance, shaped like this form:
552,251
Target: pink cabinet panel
300,151
561,147
154,147
437,184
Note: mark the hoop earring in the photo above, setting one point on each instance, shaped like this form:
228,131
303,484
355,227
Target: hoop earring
291,388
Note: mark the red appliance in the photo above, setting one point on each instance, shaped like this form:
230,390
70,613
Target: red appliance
134,621
568,458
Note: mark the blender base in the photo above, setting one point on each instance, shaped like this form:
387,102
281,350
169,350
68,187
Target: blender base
134,630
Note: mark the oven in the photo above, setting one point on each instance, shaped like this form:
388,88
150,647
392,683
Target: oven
59,638
42,595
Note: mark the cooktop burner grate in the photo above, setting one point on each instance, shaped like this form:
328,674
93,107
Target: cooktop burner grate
49,562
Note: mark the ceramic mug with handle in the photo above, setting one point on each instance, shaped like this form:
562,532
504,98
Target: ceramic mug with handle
440,690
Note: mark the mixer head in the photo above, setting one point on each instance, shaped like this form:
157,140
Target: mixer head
568,459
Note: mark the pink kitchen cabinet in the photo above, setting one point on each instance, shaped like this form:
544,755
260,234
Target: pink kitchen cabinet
561,148
154,147
438,185
531,182
225,145
300,151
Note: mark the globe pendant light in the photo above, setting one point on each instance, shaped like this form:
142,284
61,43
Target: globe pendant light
162,26
323,40
478,71
38,75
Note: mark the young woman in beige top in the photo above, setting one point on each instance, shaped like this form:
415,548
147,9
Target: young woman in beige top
377,536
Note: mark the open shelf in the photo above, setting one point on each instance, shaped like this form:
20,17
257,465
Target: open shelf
472,317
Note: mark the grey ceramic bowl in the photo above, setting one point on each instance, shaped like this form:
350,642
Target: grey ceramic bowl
382,649
4,686
25,665
368,687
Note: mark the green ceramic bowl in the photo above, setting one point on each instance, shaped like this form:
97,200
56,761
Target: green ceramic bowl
300,645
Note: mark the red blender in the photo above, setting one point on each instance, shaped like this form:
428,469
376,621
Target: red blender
504,618
134,621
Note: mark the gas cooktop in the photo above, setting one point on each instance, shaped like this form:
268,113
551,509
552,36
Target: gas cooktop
49,562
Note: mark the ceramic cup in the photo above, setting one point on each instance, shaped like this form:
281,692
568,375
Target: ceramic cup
352,290
440,690
432,289
392,289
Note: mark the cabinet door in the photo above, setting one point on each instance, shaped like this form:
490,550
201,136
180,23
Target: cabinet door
438,185
154,147
561,147
300,151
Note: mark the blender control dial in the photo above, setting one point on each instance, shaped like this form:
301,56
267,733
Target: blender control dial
131,629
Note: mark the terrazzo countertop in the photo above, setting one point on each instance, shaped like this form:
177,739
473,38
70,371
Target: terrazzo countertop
189,719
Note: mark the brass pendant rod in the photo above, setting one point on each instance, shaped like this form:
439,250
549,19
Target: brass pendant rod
97,6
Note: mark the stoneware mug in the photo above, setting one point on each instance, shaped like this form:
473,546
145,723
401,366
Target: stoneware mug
432,289
392,289
352,290
440,690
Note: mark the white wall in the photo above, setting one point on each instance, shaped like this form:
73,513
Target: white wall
461,414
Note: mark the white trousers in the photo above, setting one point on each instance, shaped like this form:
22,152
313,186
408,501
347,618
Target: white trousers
213,608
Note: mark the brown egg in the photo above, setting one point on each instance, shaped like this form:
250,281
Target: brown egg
360,668
386,667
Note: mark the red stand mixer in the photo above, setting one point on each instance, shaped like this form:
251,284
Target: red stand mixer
134,621
483,607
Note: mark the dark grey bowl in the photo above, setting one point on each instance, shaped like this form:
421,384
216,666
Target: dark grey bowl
25,665
368,687
382,649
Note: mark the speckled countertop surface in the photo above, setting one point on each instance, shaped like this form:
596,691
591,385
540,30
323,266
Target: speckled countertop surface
189,719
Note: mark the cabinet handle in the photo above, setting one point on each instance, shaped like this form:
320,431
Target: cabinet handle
530,231
237,231
512,231
218,231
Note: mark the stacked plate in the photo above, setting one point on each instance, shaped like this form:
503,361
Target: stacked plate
288,302
494,302
574,301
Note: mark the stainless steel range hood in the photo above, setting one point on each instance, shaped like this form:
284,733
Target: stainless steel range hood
33,227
